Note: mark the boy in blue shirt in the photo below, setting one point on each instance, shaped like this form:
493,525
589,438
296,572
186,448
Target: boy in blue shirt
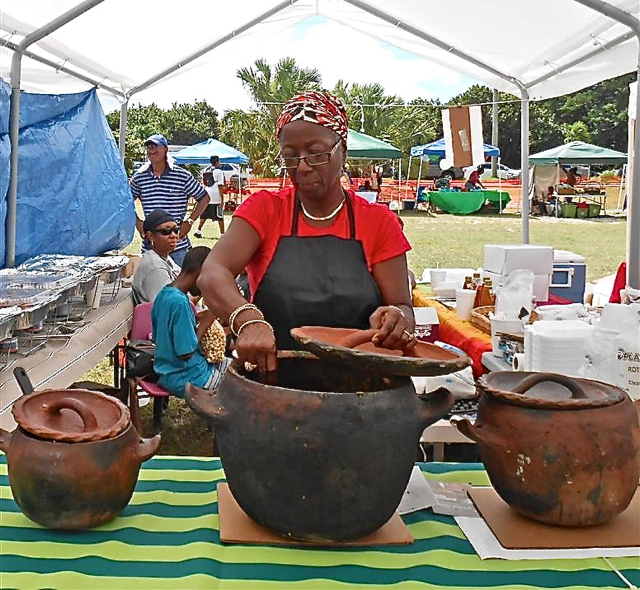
177,332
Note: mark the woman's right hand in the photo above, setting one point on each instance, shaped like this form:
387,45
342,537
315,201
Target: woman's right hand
256,345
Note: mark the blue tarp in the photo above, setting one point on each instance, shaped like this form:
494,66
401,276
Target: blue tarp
201,152
73,193
436,148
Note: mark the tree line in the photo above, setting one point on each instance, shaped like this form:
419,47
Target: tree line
597,114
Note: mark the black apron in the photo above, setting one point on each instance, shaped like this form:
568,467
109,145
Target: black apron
317,281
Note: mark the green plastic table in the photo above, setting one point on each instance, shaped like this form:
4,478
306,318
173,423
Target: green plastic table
168,538
464,203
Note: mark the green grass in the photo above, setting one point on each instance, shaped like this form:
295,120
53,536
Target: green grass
444,240
458,241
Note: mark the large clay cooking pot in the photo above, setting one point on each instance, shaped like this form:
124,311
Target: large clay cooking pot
324,452
74,459
558,450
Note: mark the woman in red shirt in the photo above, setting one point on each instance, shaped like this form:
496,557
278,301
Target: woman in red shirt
315,254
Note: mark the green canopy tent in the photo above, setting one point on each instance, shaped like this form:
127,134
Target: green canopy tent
578,152
545,166
360,145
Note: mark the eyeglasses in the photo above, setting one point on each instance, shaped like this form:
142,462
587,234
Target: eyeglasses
167,231
290,163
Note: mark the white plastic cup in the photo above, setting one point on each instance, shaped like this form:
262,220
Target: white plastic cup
465,299
437,277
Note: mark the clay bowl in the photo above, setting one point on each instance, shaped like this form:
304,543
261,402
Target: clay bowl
351,346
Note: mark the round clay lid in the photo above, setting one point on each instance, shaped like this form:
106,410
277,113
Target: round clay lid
71,415
351,346
549,390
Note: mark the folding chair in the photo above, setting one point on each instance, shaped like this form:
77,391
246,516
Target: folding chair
141,330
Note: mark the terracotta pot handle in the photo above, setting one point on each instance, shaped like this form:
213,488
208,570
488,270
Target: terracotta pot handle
577,392
436,404
86,414
148,447
5,439
476,432
204,403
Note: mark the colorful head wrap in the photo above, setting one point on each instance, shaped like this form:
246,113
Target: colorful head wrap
322,108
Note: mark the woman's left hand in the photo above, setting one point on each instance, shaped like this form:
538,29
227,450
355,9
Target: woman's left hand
394,328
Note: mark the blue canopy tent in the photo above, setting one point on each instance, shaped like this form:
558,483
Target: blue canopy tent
201,152
436,151
436,148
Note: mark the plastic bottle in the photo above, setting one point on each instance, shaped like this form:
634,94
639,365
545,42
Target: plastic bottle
468,283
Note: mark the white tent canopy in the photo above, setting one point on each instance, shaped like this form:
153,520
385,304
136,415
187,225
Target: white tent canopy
137,49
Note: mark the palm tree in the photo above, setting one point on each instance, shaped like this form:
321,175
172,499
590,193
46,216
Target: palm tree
370,110
254,131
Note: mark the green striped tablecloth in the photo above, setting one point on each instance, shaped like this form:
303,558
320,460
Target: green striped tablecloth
168,538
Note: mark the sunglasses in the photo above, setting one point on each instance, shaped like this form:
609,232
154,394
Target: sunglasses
167,231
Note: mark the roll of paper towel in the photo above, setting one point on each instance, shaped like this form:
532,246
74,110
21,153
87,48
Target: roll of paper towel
518,362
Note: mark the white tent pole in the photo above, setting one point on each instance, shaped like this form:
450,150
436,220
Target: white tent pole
633,200
122,140
524,163
14,117
399,180
494,131
622,182
419,177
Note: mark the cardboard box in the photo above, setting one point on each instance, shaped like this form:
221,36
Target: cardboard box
427,324
540,284
504,259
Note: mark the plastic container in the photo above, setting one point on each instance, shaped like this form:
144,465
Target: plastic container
594,209
582,212
408,204
567,210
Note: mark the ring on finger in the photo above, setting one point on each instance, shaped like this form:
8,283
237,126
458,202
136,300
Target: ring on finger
409,335
248,366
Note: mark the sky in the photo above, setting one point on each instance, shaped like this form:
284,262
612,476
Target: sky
350,55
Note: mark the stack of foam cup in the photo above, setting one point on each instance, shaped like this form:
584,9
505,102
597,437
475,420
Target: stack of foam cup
465,299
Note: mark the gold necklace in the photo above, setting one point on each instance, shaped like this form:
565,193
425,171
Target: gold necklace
326,217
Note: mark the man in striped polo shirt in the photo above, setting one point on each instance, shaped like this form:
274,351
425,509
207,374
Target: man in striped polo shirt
161,184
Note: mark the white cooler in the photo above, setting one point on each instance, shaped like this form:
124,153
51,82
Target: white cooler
569,276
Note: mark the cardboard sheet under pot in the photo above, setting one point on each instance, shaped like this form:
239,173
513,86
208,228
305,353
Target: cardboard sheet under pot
322,452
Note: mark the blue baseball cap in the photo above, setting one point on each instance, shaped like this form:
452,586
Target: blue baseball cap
157,139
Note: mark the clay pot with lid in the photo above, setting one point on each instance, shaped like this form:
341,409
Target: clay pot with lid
74,458
559,450
322,451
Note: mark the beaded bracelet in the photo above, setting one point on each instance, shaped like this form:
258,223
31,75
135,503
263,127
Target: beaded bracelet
235,312
265,322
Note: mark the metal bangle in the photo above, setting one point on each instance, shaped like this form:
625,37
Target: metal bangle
265,322
235,312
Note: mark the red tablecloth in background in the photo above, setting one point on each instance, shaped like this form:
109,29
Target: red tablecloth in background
458,332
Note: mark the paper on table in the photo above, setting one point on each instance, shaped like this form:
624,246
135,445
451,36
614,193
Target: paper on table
487,545
418,494
442,497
